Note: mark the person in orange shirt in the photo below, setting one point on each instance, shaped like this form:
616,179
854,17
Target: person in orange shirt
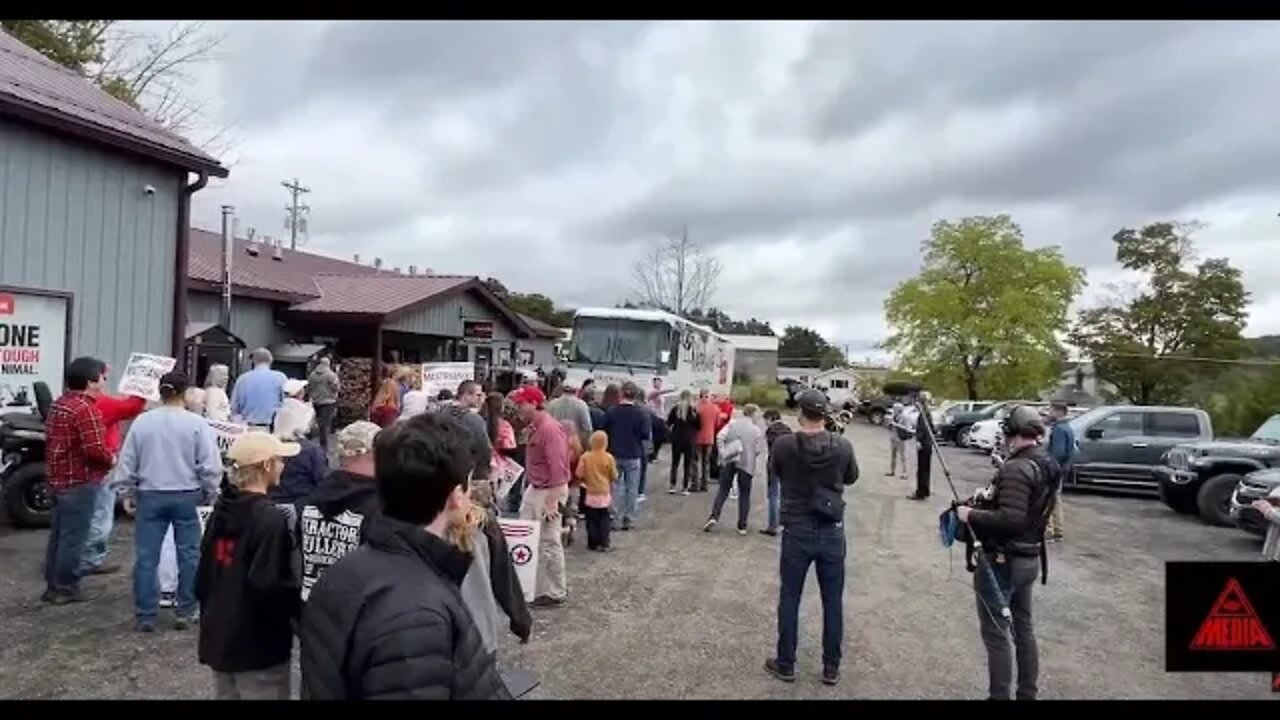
708,420
597,471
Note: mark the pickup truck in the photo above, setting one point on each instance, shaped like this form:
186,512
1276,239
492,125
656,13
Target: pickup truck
1123,447
1203,477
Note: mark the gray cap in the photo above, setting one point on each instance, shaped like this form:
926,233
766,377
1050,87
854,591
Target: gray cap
1024,421
357,438
813,401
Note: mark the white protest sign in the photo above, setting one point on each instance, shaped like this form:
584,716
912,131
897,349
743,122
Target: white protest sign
522,542
227,433
504,472
445,376
141,376
204,511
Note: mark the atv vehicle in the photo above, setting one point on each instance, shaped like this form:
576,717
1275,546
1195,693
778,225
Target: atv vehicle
1201,478
27,500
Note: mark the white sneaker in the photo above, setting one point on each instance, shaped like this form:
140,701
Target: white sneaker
733,493
168,599
640,499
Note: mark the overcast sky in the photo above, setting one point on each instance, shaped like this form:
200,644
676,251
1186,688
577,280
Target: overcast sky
810,157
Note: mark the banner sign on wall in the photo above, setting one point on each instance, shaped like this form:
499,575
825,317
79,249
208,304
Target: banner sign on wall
445,376
142,375
33,344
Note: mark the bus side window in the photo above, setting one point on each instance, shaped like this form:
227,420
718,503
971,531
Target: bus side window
674,362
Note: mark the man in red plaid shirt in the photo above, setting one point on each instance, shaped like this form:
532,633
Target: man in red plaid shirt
77,460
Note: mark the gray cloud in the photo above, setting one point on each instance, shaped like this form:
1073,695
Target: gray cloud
811,157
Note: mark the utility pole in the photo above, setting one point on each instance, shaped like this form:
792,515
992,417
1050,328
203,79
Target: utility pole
228,229
296,219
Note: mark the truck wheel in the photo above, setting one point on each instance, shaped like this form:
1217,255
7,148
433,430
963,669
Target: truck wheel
1214,499
876,417
27,498
962,436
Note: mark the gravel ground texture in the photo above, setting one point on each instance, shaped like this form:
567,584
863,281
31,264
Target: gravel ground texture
679,613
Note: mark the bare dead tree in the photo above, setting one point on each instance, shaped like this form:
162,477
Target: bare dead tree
677,275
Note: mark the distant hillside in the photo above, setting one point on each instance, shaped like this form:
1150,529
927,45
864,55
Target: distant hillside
1265,346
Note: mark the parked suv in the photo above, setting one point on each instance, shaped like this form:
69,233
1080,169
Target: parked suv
1121,447
1257,485
1202,477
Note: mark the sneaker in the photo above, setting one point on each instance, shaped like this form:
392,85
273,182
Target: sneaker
771,532
606,549
183,622
626,525
671,491
546,601
640,498
710,524
742,532
144,626
47,596
168,599
733,493
685,492
772,667
830,675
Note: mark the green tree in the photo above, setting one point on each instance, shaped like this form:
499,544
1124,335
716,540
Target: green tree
985,311
535,305
804,347
1141,345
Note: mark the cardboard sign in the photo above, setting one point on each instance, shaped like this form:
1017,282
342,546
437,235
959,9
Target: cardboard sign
141,376
227,433
33,346
445,376
522,542
504,472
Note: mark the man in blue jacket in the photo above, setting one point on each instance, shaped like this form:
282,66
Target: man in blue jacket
630,427
1062,447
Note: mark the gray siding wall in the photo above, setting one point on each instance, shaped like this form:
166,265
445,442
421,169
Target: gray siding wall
74,217
544,352
445,318
252,320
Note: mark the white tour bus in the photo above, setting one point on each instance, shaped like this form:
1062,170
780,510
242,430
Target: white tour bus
613,345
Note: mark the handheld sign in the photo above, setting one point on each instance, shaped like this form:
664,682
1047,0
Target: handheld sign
504,473
522,542
142,374
227,433
445,376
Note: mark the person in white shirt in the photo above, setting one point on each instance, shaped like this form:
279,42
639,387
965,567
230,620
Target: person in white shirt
295,416
217,406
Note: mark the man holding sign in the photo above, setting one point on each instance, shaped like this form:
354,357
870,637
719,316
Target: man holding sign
171,456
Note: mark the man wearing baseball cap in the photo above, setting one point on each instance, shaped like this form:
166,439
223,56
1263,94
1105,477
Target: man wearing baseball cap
547,473
813,466
248,582
171,456
334,517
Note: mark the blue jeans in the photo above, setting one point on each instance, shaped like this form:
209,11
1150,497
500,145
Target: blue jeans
156,512
72,515
824,547
626,489
104,515
774,496
728,475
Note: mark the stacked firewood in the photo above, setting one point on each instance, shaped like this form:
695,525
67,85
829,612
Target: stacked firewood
356,393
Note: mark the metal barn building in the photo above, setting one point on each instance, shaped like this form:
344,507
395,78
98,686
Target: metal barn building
755,357
94,210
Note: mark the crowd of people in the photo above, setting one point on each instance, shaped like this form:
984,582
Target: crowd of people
391,572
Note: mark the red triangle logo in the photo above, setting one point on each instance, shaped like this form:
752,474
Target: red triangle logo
1232,625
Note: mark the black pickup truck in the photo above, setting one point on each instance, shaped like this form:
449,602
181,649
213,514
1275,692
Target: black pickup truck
1202,477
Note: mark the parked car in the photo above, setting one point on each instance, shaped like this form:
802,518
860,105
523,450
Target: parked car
949,407
1122,447
1257,485
1203,477
957,424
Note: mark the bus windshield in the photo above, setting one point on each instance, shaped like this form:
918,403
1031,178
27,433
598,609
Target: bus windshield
616,341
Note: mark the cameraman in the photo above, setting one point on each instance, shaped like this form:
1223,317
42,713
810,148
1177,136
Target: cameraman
1010,524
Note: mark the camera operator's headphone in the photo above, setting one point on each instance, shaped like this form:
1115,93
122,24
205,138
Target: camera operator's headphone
1023,421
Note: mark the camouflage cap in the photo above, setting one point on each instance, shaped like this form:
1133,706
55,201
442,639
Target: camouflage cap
357,438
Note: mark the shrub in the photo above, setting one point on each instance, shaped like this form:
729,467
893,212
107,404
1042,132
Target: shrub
764,394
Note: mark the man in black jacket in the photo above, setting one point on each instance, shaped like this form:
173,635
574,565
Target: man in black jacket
333,517
1012,535
924,447
813,467
388,621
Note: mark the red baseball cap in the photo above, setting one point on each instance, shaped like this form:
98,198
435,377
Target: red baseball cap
529,395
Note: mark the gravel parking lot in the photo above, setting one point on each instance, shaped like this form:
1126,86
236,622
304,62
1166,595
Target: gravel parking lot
678,613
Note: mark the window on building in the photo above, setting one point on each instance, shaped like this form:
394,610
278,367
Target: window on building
839,384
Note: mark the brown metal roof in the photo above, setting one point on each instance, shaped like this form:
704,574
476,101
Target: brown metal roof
364,295
541,329
42,91
291,278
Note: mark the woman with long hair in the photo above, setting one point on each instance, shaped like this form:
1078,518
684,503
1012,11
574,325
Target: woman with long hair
386,403
491,584
682,423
